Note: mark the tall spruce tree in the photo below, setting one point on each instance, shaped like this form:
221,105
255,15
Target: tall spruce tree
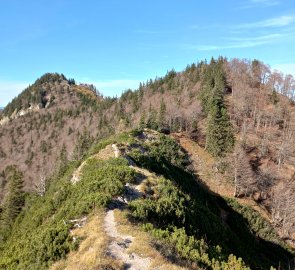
220,136
206,89
63,160
142,120
213,80
152,118
161,116
13,201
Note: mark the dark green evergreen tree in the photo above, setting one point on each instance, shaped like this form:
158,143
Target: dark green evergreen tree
142,120
213,80
220,136
162,113
13,201
63,160
152,119
83,143
135,102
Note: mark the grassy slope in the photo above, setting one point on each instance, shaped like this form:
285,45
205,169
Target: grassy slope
215,181
179,214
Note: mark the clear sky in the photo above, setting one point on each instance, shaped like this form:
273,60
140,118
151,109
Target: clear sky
115,44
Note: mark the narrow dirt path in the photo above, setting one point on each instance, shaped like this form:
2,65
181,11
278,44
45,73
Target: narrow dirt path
119,246
77,174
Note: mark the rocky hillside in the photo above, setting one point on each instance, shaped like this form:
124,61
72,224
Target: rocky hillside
47,120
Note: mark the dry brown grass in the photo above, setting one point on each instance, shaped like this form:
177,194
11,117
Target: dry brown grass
141,244
85,91
150,180
147,186
204,166
92,250
106,153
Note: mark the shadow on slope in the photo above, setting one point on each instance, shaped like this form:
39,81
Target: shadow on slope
236,229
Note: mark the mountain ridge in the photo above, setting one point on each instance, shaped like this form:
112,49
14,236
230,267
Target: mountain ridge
194,228
257,109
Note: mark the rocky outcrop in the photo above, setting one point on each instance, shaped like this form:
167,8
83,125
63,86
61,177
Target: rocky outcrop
17,114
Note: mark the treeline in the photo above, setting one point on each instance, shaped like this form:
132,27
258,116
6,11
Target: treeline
213,88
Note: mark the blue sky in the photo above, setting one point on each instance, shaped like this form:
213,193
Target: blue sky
115,44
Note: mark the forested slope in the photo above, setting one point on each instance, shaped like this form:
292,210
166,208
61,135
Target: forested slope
239,112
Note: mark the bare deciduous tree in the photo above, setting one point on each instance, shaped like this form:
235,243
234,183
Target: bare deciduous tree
244,177
40,186
286,149
283,205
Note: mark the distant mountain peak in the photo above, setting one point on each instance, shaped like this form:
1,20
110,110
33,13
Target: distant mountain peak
51,77
49,89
